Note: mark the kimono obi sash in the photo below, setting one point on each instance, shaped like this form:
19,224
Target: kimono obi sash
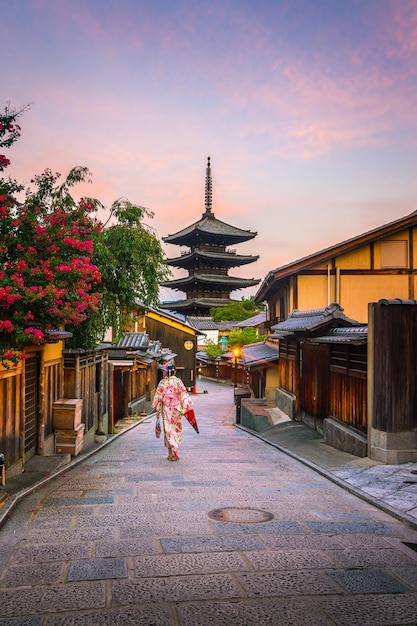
172,399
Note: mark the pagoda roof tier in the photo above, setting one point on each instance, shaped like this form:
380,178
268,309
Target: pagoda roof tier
196,305
229,282
209,230
222,259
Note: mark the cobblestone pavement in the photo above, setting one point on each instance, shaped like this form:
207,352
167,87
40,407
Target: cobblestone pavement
236,533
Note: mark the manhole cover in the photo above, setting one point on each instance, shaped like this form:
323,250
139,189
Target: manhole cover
240,515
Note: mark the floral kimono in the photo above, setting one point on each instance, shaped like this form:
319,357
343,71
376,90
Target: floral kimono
171,401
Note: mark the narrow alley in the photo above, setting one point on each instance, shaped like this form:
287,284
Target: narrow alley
237,533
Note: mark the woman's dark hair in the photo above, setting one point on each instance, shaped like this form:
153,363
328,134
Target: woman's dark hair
170,369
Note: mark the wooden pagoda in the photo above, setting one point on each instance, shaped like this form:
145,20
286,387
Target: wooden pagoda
207,261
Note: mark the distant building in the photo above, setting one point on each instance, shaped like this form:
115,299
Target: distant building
258,322
207,261
208,328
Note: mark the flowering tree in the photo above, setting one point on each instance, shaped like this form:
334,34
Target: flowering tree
60,268
47,279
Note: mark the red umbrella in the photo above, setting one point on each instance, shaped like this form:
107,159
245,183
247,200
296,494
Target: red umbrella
190,415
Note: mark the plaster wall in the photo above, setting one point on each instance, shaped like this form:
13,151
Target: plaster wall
357,291
359,259
53,351
313,292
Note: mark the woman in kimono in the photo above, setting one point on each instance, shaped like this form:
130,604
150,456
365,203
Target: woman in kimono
171,401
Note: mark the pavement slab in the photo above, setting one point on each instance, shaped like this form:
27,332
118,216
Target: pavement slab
265,612
371,610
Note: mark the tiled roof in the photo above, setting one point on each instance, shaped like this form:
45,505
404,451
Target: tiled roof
226,325
210,226
137,344
255,354
352,335
395,301
258,353
170,315
202,323
254,321
207,323
226,259
133,341
203,357
306,321
53,335
205,303
230,282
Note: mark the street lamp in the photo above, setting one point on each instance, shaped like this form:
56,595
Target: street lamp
223,343
236,354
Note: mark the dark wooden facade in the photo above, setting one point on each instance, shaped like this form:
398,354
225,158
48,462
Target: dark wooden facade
392,395
289,368
223,371
394,361
51,389
315,380
11,416
27,394
334,383
179,337
348,385
130,382
86,377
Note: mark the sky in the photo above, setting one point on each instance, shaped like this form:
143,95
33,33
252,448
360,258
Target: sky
307,108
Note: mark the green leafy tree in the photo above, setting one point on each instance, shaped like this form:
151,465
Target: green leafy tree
250,305
131,262
213,350
244,336
235,311
237,338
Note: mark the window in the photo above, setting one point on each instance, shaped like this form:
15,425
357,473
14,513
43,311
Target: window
394,254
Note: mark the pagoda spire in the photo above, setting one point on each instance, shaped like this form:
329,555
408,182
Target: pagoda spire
208,192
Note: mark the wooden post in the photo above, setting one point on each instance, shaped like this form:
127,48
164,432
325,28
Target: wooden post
2,470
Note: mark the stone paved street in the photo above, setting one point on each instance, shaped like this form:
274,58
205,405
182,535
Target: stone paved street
236,533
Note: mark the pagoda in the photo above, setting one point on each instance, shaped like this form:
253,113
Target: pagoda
207,261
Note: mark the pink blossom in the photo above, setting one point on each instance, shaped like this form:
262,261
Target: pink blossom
35,335
6,326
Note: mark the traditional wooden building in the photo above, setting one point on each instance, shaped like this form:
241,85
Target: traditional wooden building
356,384
335,387
207,261
285,384
257,359
27,395
381,263
209,330
133,375
258,322
85,378
318,376
174,335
